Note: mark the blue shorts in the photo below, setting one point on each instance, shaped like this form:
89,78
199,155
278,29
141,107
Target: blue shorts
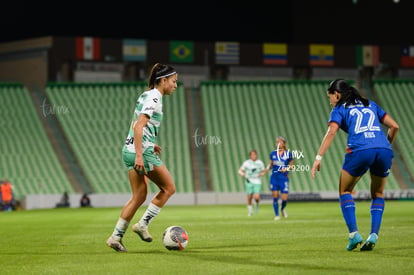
377,160
279,184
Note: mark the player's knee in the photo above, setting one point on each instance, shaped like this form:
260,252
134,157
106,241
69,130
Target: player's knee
170,189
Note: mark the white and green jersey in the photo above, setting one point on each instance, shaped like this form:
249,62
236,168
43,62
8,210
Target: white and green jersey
149,103
252,170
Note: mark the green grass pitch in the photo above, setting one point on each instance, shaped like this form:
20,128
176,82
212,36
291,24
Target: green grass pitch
222,240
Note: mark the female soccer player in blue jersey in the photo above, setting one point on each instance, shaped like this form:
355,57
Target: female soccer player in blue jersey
281,160
141,157
368,147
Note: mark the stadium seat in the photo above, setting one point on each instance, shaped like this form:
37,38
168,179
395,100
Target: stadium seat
27,158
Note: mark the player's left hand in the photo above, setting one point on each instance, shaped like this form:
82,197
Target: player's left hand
139,165
316,167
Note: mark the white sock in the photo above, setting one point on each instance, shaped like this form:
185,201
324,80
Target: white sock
249,208
151,212
120,228
352,234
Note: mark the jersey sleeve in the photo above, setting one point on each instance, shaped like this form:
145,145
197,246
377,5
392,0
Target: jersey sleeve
380,112
335,116
243,166
262,166
148,106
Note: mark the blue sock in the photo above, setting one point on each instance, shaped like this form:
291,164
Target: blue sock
377,209
276,206
283,204
348,211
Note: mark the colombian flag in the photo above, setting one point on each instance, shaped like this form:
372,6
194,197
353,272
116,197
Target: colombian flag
274,54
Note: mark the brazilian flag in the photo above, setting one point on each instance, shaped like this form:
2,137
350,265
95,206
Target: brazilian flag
181,51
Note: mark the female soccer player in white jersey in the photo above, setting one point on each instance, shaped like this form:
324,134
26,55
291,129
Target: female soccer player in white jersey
140,155
368,148
252,170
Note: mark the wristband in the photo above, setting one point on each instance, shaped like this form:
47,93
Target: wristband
318,157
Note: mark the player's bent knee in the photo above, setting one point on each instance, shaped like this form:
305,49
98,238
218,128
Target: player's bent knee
170,190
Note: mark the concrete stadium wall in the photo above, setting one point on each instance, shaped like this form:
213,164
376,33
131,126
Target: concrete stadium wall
118,200
201,198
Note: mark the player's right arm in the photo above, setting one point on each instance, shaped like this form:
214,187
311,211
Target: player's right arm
326,142
242,173
138,131
242,170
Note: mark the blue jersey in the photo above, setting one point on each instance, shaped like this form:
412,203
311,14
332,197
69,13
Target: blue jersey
280,162
363,125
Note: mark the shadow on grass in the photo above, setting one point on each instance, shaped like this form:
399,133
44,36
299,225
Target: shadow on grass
219,255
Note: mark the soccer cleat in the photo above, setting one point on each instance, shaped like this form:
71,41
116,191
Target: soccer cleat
277,218
284,213
354,241
370,242
142,232
116,245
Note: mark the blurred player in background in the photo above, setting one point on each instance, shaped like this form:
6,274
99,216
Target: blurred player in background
368,148
6,195
140,155
281,160
252,170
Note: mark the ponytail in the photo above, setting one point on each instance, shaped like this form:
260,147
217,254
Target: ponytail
350,95
159,71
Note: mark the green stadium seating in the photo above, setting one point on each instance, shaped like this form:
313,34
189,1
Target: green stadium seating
396,97
238,116
27,157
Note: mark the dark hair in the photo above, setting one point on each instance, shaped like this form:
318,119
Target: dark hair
350,95
159,71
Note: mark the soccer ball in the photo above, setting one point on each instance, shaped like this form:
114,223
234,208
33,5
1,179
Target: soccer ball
175,238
